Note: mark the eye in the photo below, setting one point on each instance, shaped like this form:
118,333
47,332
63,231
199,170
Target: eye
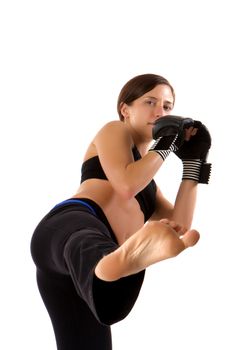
167,108
151,103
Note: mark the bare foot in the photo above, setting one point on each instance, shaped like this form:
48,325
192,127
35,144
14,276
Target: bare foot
155,242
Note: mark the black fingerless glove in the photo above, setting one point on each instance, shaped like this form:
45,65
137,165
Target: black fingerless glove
164,145
168,133
193,154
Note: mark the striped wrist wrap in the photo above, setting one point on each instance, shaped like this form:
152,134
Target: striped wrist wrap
197,170
164,145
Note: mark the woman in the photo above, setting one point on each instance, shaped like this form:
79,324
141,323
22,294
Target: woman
91,251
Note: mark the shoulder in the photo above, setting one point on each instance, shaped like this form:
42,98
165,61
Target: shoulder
115,125
115,129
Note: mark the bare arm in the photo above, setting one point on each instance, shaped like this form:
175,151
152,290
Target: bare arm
183,209
185,203
114,147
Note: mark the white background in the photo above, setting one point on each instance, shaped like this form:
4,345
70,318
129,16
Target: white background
62,65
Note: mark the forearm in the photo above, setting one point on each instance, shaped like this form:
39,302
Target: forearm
138,174
185,203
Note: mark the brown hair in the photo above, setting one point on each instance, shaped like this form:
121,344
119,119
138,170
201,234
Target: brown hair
137,87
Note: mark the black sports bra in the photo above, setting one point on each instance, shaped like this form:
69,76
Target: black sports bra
92,168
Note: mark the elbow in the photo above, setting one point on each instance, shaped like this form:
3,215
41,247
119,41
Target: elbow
126,191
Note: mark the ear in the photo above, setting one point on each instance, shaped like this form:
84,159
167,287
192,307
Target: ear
124,110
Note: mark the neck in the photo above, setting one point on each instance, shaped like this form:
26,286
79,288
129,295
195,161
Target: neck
140,142
143,147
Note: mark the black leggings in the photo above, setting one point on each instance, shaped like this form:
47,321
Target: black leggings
66,246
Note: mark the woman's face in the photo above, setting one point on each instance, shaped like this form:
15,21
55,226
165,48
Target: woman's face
145,110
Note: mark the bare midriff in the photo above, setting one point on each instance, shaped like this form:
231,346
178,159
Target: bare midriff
124,216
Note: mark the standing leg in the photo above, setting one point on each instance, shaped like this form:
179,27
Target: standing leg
74,325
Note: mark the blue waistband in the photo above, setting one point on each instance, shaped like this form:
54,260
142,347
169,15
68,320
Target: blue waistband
74,201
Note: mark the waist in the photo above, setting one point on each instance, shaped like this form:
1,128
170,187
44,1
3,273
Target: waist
75,201
102,192
88,204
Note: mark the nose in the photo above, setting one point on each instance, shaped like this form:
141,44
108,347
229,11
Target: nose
159,111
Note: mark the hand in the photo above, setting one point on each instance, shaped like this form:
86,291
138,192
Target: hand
169,133
194,152
171,125
196,144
